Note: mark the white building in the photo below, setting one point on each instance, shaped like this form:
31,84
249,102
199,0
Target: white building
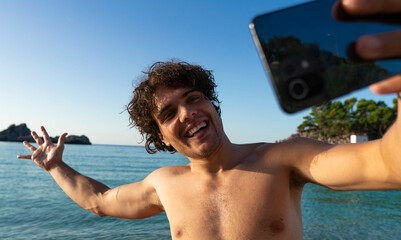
358,139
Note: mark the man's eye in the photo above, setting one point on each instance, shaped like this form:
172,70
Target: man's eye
168,116
194,98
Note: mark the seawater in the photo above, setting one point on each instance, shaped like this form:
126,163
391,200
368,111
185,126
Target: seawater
32,206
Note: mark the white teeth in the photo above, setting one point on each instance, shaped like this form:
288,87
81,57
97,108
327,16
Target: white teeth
195,129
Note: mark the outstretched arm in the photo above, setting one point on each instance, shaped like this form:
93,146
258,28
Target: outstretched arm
375,164
365,166
136,200
382,46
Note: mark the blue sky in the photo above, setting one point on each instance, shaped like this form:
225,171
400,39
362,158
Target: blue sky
71,65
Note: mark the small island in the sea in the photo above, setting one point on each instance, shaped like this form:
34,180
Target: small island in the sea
20,133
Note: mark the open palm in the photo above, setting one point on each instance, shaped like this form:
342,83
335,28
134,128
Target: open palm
46,155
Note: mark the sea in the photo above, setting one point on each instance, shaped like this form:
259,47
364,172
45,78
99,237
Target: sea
32,206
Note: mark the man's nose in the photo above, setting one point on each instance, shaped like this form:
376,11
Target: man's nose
186,113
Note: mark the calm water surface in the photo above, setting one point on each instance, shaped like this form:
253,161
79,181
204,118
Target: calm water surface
32,206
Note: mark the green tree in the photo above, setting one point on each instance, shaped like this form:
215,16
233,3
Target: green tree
373,118
349,117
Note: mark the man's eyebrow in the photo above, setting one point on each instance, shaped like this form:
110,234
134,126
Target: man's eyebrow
186,93
162,110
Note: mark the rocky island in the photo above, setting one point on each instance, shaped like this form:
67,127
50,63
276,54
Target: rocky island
20,133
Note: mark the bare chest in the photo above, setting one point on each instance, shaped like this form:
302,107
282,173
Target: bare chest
240,205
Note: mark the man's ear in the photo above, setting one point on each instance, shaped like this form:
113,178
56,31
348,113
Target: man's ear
165,141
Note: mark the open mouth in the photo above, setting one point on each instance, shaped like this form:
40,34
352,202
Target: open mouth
196,129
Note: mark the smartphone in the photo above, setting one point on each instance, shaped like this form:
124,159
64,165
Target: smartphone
304,52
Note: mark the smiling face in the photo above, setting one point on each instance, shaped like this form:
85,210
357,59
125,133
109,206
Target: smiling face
188,121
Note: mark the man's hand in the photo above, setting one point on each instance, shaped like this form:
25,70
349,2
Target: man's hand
132,201
47,155
378,46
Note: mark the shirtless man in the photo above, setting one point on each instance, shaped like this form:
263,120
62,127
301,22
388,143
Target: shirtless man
230,191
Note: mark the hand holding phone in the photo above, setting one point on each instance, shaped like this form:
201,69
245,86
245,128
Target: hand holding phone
304,49
386,45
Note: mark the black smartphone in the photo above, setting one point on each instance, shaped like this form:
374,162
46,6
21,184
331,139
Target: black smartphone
304,51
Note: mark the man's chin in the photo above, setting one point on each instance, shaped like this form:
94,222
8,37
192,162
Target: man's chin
205,150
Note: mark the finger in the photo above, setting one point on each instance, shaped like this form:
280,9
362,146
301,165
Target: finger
29,146
45,135
37,139
390,85
61,139
379,46
364,7
24,156
384,11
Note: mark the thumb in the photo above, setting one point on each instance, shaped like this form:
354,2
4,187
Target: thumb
61,139
390,85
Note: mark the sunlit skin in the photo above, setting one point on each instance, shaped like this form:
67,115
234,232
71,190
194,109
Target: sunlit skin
180,110
231,191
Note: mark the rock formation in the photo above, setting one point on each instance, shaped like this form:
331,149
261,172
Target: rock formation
340,139
22,133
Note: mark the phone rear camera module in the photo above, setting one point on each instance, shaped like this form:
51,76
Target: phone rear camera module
289,69
298,89
305,64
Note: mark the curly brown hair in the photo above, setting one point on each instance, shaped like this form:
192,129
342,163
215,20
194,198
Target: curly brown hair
175,74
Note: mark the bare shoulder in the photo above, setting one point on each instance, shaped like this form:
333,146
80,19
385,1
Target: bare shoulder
290,151
290,158
165,173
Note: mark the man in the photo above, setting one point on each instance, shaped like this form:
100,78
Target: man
231,191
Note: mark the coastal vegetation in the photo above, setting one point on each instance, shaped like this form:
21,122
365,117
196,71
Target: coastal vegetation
335,121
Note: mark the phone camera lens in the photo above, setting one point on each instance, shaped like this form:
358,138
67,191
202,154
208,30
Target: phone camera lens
298,89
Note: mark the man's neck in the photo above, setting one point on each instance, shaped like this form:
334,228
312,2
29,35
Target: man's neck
226,157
